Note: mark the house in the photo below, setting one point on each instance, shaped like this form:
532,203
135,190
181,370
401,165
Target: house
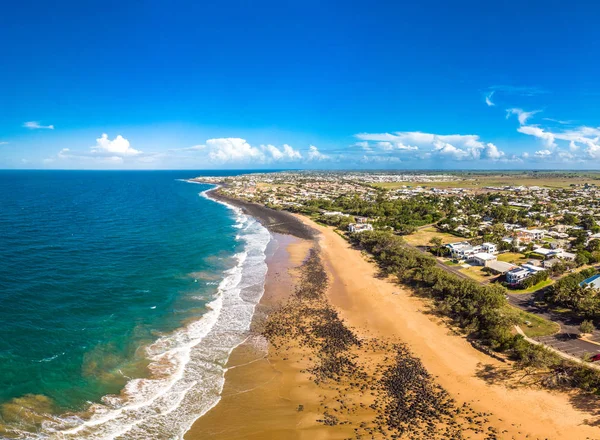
482,259
593,282
335,213
490,248
463,250
517,275
500,267
462,230
569,256
355,227
550,263
546,253
528,235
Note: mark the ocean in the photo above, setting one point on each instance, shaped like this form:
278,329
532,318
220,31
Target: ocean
122,295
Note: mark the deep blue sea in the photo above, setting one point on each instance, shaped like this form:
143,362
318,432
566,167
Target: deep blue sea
121,297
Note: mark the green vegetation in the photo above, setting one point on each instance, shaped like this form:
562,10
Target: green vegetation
481,311
587,326
478,273
535,326
404,216
512,257
567,292
535,287
422,237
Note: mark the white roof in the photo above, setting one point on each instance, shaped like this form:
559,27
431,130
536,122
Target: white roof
484,256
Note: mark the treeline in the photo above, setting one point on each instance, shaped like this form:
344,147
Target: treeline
403,215
568,293
482,311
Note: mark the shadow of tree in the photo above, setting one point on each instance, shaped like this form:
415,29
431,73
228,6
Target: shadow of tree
497,375
588,403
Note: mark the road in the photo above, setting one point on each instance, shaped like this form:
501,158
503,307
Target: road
566,339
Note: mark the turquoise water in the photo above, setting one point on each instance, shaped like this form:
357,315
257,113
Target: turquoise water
96,267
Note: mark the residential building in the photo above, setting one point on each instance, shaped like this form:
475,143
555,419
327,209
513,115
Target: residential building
517,275
482,259
593,282
355,227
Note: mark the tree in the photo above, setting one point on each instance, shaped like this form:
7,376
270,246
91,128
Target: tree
587,326
436,243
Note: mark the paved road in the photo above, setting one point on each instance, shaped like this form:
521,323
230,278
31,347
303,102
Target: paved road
566,340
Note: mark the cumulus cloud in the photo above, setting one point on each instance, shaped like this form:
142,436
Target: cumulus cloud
426,145
315,155
232,150
238,150
118,147
35,125
285,153
582,142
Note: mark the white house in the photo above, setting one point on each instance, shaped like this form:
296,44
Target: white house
517,275
463,250
482,259
355,227
490,248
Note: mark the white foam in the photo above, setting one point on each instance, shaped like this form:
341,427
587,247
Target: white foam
188,366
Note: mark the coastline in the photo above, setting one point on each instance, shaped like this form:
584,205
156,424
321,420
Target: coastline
255,398
268,394
279,222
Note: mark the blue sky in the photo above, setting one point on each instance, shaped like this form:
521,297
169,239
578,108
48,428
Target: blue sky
313,84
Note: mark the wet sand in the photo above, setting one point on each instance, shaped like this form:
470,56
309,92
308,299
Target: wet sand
261,388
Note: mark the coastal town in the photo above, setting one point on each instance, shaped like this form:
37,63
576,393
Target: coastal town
535,236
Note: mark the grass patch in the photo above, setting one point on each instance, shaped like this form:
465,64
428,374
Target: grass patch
537,326
512,257
422,236
477,273
533,288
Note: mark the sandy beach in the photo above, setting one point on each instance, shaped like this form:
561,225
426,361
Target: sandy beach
281,390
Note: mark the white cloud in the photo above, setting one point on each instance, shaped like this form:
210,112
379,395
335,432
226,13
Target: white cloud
522,115
35,125
3,143
425,145
543,153
238,150
119,146
232,150
286,153
534,130
488,99
315,154
490,151
582,142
